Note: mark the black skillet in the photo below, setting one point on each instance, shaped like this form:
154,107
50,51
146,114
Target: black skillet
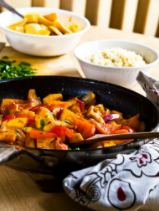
112,96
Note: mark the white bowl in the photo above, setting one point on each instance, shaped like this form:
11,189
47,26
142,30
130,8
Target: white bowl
39,45
123,76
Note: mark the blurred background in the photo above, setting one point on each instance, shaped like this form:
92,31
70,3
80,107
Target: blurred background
140,16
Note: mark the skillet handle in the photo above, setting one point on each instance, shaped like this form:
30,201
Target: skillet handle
10,152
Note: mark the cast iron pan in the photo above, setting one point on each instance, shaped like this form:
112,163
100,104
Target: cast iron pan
112,96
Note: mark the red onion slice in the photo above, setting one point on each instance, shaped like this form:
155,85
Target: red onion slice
111,117
59,113
81,105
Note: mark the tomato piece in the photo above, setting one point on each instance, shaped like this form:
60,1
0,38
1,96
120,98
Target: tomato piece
129,129
36,108
86,129
31,120
62,130
81,105
104,128
8,117
41,134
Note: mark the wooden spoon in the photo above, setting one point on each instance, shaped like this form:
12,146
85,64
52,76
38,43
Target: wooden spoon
100,137
10,8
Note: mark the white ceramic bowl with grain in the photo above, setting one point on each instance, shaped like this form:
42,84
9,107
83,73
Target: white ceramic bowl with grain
39,45
123,76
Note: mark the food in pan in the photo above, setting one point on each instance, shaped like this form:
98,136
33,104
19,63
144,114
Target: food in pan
116,57
37,24
55,123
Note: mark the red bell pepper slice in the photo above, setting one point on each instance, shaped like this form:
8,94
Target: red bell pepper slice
36,108
120,131
41,134
8,117
129,129
81,105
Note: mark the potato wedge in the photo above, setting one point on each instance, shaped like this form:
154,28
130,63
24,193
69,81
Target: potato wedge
61,27
29,142
8,137
36,29
46,143
68,115
51,17
32,28
32,17
43,20
27,129
55,30
20,29
43,115
44,32
52,97
7,102
19,123
20,23
74,28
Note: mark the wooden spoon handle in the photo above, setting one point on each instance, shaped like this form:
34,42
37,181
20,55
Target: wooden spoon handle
10,8
143,135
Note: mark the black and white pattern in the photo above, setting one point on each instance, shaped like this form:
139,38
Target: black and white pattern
124,183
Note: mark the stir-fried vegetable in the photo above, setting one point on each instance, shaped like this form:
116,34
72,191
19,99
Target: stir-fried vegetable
57,123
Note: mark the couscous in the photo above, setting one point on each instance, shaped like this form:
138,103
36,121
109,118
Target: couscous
116,57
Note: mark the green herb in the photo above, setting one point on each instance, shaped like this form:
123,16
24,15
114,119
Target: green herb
5,57
46,116
44,133
79,96
77,148
25,64
69,149
43,123
18,131
66,121
10,70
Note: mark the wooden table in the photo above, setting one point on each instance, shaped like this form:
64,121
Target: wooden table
17,191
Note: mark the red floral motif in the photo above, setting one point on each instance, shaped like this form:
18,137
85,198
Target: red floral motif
142,159
156,92
121,195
